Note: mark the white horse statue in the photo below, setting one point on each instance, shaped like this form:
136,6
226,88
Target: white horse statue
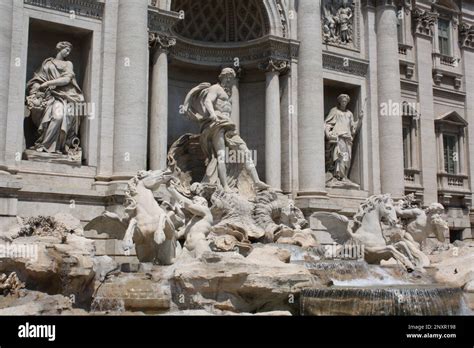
367,230
149,226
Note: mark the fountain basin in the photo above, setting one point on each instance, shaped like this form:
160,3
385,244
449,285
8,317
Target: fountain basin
383,300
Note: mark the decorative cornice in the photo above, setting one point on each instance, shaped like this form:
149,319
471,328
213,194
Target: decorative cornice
273,65
249,53
90,8
345,64
424,21
466,35
161,21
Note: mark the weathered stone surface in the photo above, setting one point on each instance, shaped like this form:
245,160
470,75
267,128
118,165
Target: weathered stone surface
72,224
104,266
455,266
133,292
10,285
269,254
233,283
46,264
37,303
469,286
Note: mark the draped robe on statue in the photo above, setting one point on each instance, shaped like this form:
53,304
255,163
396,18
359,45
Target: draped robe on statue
340,124
56,132
196,110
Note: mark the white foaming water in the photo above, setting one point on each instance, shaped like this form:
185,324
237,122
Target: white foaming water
378,276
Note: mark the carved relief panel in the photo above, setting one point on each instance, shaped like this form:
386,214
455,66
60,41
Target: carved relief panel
340,23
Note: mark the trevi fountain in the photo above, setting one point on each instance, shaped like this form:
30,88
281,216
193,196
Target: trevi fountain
211,238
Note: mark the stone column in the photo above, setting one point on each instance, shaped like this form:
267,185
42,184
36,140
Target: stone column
424,22
6,17
272,70
131,89
439,150
311,157
159,101
389,94
467,45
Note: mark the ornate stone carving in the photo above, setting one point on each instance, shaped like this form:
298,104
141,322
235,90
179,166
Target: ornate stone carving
280,66
55,105
251,53
422,223
283,20
211,106
160,41
466,35
338,21
92,9
345,64
161,21
340,130
148,225
424,21
380,241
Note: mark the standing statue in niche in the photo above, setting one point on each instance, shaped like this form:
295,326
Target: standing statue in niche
53,96
340,130
211,106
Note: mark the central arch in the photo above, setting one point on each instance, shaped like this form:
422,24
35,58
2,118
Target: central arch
212,34
221,20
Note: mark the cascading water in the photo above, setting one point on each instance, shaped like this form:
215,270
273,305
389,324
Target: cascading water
388,300
355,288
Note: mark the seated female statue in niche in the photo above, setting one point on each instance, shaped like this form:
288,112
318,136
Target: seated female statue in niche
53,96
340,129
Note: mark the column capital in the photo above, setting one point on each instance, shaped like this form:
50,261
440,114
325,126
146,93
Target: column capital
274,65
160,41
466,35
424,21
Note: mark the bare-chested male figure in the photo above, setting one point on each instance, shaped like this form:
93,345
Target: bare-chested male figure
211,107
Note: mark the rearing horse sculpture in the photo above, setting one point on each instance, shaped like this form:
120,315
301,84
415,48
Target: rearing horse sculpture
148,225
366,229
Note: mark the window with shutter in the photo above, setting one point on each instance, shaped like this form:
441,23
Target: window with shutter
450,153
443,37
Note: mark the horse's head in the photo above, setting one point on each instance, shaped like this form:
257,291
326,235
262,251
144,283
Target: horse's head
440,227
386,209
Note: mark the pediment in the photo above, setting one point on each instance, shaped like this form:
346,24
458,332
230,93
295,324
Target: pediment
452,118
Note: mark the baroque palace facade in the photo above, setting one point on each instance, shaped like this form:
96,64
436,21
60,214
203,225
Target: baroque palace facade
399,75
